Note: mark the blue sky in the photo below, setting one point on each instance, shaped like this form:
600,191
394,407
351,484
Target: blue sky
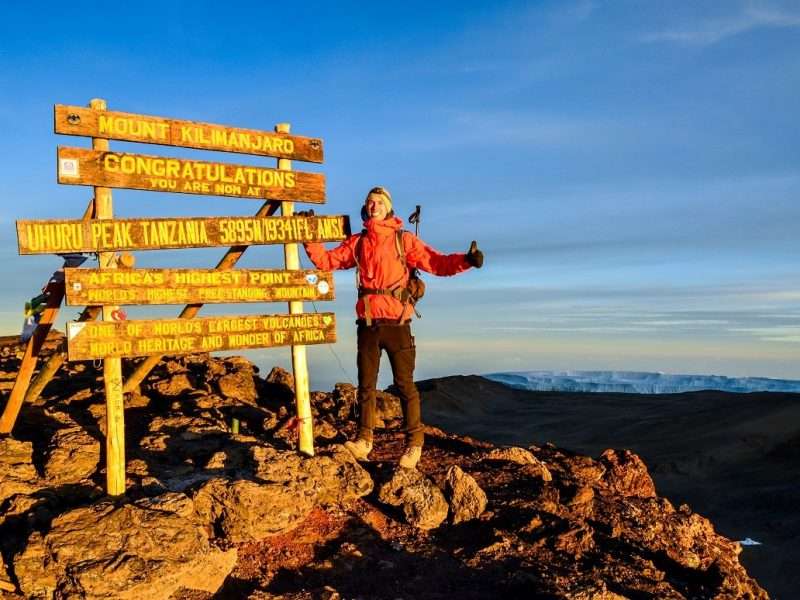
630,169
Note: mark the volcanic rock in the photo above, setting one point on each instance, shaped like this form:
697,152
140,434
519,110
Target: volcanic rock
174,386
72,456
17,473
287,487
239,386
561,524
141,550
467,499
246,511
520,456
626,474
423,504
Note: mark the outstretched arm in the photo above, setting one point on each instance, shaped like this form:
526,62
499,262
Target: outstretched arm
341,257
421,256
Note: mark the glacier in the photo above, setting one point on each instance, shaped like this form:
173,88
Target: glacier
636,382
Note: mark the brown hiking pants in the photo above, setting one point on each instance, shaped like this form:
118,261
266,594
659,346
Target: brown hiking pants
399,345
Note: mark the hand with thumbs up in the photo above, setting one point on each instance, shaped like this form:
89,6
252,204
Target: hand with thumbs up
474,256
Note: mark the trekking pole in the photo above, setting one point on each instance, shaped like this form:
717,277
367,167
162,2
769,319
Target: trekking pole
413,219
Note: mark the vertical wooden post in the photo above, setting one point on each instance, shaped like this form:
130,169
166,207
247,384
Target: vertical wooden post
299,362
112,367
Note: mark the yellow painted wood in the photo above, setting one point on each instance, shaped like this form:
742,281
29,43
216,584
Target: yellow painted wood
80,166
112,367
91,340
56,236
86,287
131,127
299,360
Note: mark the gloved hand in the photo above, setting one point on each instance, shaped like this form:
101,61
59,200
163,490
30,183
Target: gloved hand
474,256
304,213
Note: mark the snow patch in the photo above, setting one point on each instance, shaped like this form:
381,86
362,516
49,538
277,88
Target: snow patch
749,542
635,382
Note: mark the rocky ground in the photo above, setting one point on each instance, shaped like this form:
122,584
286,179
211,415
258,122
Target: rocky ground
212,514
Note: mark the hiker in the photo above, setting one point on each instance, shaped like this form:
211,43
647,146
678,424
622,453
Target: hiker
385,257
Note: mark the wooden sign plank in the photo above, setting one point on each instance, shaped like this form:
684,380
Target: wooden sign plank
79,166
102,339
194,286
114,125
57,236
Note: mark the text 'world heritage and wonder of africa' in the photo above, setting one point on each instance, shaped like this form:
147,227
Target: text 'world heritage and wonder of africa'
103,339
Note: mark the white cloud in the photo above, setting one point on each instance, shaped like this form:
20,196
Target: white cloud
715,30
773,334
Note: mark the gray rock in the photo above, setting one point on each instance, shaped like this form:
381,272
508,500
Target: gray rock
147,549
467,499
423,504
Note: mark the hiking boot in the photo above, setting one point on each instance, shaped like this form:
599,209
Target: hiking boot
411,457
360,448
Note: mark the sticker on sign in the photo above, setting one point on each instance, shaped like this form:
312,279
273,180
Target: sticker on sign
68,167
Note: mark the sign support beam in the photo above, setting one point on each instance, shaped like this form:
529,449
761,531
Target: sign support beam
228,261
299,361
112,367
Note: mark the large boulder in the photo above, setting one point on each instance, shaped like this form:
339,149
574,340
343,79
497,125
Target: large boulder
467,499
286,487
147,549
333,475
626,474
423,504
72,456
246,511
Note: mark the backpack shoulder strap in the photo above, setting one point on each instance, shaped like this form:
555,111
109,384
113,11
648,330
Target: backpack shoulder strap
357,255
401,250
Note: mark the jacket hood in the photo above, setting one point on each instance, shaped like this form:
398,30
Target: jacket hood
384,226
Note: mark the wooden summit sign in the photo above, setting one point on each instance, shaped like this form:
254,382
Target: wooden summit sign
104,339
58,237
77,120
86,287
79,166
116,283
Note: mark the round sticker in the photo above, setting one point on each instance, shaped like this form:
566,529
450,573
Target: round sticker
311,278
323,287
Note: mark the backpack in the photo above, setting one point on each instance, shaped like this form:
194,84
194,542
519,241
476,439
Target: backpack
410,294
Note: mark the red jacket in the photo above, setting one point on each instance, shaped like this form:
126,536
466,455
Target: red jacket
380,265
